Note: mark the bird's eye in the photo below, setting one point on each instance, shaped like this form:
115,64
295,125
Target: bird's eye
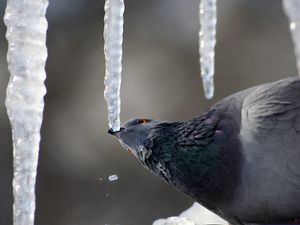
142,121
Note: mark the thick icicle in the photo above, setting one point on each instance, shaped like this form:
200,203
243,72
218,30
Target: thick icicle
113,39
27,53
292,10
207,42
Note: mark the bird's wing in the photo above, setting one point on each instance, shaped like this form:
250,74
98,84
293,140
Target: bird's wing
270,126
272,109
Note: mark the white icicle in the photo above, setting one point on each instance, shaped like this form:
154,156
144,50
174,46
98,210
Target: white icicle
27,53
207,41
113,39
292,10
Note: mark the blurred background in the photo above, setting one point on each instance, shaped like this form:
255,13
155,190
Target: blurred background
161,80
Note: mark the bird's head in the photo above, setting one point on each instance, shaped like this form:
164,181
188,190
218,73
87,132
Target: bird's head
133,135
151,142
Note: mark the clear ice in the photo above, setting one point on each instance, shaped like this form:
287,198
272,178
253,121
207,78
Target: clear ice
207,42
292,10
196,215
113,39
174,221
27,53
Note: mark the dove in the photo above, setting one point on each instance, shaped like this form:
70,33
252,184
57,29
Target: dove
240,158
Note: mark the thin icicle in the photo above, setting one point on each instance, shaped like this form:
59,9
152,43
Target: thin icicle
292,10
113,39
207,41
27,53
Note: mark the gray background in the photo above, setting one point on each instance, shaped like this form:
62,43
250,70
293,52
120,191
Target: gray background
161,80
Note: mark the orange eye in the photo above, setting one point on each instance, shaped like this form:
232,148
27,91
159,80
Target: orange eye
142,121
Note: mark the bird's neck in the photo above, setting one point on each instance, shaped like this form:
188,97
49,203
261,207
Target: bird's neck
209,171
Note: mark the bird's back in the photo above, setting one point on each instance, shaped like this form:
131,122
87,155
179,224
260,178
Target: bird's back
267,119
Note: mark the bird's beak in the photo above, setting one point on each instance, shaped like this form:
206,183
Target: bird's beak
116,133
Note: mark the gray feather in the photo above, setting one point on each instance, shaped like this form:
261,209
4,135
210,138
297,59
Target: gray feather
268,118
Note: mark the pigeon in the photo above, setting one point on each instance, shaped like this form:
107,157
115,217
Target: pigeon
240,158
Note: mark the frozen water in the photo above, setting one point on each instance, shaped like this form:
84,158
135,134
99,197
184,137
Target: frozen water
195,215
113,38
207,42
27,53
174,221
200,215
113,177
292,10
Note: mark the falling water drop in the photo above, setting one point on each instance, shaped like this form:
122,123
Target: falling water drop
113,177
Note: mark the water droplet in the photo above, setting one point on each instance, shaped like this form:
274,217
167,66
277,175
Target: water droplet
113,177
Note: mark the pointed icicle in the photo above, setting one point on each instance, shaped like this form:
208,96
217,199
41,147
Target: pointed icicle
292,10
207,42
27,53
113,39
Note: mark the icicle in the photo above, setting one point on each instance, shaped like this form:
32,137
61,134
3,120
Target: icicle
207,41
292,10
27,53
113,38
